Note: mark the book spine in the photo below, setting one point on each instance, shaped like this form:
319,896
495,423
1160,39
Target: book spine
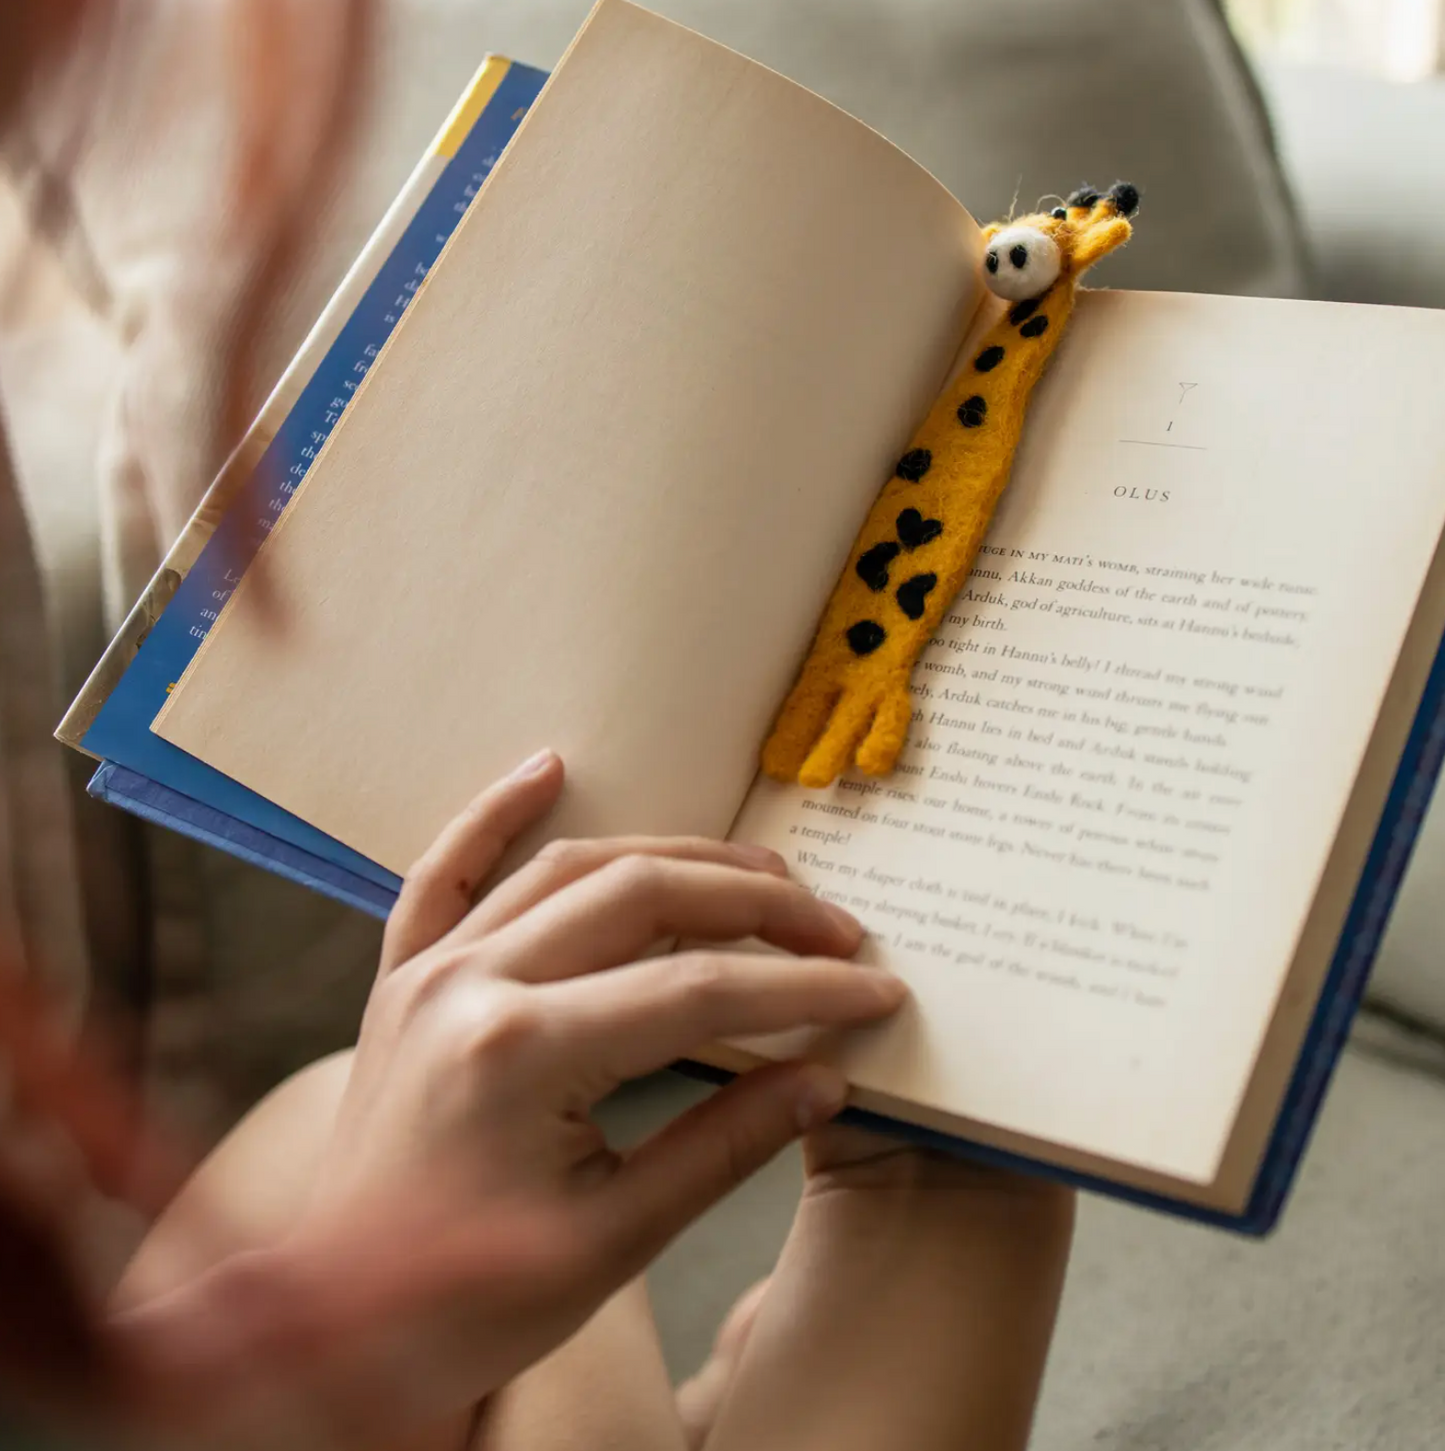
162,807
241,465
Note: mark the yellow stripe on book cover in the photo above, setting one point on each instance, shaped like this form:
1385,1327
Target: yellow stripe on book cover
472,104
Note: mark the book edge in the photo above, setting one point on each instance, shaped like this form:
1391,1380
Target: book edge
161,806
237,469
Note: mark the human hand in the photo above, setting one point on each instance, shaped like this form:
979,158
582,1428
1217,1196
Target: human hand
491,1033
843,1157
960,1266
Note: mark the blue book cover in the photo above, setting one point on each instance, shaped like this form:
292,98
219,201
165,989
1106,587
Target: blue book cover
112,718
145,775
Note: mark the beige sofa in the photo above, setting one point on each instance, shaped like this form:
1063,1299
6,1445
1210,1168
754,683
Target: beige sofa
1329,1335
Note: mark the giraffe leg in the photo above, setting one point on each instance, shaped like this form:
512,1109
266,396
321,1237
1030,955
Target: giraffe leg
834,752
879,751
800,723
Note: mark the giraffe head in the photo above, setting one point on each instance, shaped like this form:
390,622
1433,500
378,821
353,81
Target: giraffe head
1024,258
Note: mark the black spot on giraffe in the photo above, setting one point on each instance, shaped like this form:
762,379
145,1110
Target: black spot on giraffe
866,636
872,567
914,464
914,531
989,359
1024,310
972,411
1125,198
1034,328
913,594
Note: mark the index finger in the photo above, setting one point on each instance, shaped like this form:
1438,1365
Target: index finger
441,889
620,912
560,863
637,1020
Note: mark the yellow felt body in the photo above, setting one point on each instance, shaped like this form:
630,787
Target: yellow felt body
852,702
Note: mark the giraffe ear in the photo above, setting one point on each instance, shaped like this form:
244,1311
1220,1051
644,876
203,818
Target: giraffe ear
1098,241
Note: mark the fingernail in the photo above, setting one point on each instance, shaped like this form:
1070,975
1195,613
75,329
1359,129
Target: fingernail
760,857
888,987
822,1092
533,766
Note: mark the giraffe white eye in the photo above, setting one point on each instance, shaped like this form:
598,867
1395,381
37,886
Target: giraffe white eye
1021,262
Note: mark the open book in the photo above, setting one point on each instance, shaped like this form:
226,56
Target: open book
1171,744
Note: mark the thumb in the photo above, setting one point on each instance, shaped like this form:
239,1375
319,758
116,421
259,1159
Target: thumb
704,1155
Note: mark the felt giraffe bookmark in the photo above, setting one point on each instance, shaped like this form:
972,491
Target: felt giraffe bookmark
852,702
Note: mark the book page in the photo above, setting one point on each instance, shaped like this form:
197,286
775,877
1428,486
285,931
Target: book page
1138,729
592,492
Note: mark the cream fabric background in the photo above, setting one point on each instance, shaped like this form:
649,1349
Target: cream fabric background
1329,1337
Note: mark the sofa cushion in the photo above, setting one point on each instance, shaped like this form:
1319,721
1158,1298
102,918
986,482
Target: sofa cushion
1364,155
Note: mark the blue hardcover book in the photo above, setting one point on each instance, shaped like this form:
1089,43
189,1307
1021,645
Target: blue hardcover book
111,718
574,459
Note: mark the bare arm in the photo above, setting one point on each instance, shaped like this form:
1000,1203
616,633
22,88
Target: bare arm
913,1306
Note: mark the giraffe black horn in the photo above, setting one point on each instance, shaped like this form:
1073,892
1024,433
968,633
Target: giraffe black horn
1085,196
1125,197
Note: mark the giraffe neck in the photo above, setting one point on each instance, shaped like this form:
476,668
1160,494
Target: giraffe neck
975,423
1014,351
926,525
